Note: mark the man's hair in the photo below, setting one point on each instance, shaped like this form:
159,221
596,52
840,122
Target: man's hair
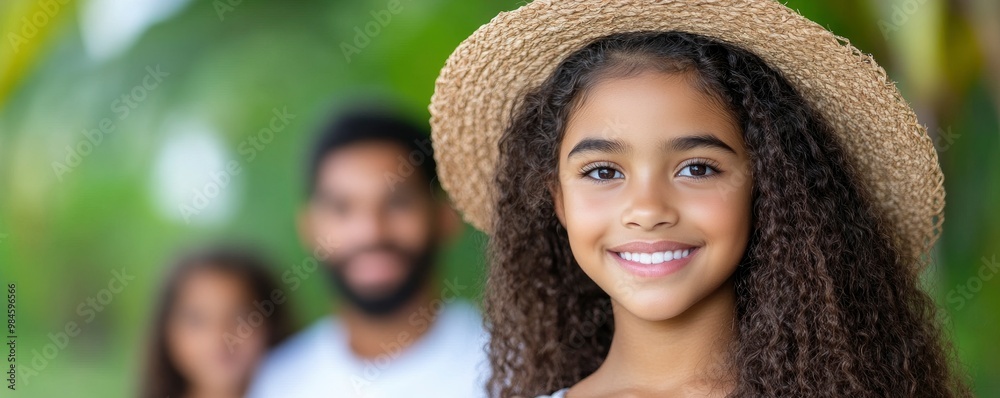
373,124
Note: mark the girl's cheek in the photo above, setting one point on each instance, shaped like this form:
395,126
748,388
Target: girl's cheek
589,214
588,211
721,213
716,207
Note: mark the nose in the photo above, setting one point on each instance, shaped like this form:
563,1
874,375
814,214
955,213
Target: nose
648,205
368,226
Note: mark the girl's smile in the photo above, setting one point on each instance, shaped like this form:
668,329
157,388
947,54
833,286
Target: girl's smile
653,260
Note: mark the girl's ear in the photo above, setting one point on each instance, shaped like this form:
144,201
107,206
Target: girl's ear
557,202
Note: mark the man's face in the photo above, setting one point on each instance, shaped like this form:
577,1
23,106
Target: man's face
380,220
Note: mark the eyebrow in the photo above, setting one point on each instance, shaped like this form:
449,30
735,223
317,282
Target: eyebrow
690,142
678,144
599,145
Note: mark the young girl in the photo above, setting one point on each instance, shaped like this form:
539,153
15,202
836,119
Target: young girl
693,198
216,320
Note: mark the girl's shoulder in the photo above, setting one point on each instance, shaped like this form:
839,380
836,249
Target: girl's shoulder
557,394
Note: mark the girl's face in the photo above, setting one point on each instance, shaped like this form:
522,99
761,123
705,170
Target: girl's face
205,339
654,192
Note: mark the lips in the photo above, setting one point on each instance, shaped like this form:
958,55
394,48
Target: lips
651,247
651,259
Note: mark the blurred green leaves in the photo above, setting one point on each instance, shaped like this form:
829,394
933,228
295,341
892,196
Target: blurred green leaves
61,235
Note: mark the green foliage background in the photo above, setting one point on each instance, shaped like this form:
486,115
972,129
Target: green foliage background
61,238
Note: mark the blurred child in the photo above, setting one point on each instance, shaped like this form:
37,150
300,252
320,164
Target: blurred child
219,314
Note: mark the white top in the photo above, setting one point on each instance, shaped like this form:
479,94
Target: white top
557,394
448,361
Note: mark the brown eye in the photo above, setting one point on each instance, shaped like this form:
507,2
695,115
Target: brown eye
697,170
604,173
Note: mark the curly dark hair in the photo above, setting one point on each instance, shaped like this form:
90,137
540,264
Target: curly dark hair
826,304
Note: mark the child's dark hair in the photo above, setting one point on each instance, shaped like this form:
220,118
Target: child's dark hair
162,378
826,304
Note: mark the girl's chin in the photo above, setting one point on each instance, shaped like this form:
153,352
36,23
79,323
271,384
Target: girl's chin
652,307
656,315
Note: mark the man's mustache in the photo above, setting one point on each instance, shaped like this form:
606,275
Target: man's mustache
385,247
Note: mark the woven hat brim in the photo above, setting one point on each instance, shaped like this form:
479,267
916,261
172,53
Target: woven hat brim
485,76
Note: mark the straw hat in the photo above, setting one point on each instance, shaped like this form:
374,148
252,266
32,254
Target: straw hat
481,82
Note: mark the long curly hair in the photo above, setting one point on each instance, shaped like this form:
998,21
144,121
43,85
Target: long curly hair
826,304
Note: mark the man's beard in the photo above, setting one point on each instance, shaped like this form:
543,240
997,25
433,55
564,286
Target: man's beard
418,268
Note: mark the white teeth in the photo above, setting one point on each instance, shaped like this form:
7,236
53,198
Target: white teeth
656,257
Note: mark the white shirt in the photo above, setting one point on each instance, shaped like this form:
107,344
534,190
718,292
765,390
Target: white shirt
449,360
557,394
